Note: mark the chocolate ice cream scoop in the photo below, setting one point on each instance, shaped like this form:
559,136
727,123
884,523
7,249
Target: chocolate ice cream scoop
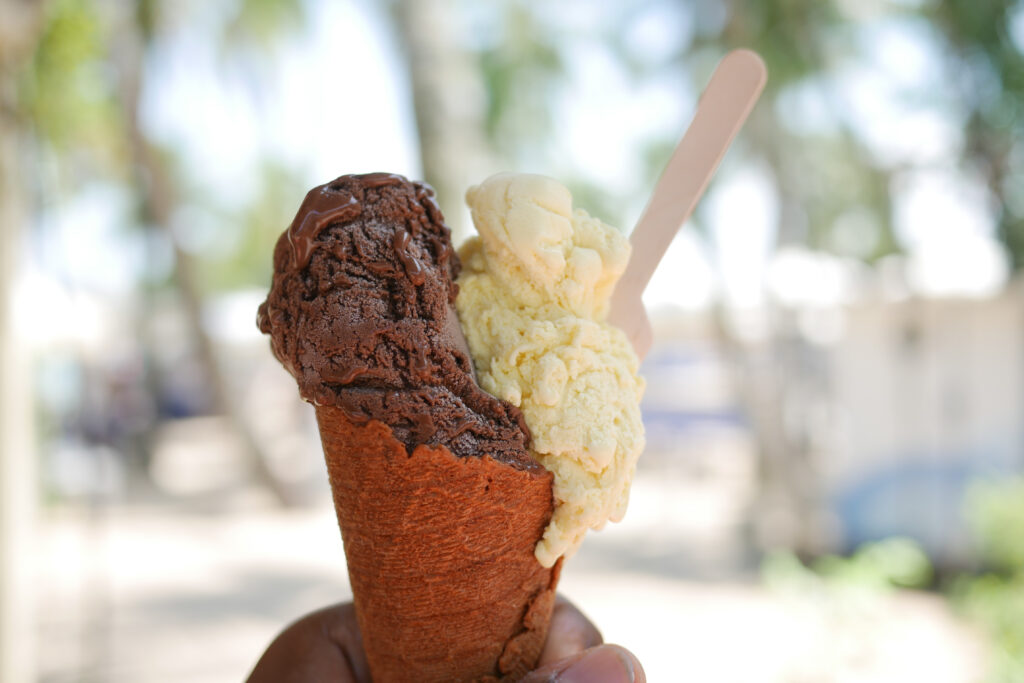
361,313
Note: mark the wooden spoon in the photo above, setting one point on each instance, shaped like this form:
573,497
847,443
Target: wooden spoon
723,107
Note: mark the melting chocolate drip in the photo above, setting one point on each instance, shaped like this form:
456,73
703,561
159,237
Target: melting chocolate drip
322,206
346,376
381,179
413,268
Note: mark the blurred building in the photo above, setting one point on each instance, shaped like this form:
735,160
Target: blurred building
925,396
877,428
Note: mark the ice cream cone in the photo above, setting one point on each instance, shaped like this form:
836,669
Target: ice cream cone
440,554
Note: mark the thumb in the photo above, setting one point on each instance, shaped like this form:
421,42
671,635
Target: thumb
601,664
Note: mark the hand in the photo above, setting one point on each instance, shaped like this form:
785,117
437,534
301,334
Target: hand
574,653
326,646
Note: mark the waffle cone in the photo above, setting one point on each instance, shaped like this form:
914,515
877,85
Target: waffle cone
440,555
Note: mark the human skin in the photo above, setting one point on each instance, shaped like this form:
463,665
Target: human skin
326,645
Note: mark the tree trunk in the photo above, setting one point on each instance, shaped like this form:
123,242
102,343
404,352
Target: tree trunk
156,191
19,28
449,100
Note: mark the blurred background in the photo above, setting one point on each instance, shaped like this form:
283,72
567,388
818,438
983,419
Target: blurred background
833,488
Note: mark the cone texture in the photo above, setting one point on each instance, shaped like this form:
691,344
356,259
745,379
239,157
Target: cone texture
440,555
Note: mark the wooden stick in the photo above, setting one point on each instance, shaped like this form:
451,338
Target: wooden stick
723,107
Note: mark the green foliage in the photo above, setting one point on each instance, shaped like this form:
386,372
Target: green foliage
823,177
995,510
72,94
521,70
796,38
995,599
260,23
876,567
896,562
997,603
68,91
247,236
597,201
989,71
852,594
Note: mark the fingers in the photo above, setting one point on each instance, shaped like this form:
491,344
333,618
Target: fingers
322,646
343,631
600,664
570,633
573,653
326,645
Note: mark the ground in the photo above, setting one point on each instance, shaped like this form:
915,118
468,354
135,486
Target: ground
161,592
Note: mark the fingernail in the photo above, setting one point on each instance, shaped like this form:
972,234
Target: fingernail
601,664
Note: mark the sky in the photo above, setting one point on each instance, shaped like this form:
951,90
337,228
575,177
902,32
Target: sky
337,100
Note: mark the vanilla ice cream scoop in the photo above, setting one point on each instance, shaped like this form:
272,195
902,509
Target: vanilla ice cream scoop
533,297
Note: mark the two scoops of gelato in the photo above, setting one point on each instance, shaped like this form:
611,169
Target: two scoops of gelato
478,414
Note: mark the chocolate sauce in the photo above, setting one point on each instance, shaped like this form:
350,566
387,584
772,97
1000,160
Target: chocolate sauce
425,197
347,376
381,179
322,206
442,250
413,268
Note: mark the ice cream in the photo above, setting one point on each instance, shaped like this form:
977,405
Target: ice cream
361,313
533,296
438,498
